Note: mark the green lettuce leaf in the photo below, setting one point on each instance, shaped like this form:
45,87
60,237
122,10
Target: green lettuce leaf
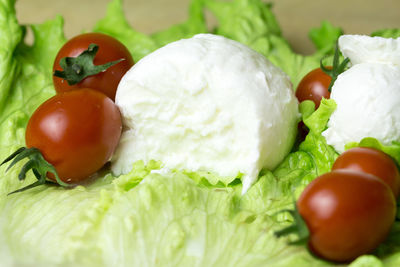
367,261
195,24
388,252
9,39
325,37
392,150
315,144
181,224
252,22
139,44
31,86
244,20
164,220
116,25
296,65
314,156
25,82
387,33
147,217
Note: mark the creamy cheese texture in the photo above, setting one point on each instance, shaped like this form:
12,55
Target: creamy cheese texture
206,103
367,94
367,49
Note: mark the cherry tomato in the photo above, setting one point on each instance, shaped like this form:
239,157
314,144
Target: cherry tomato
348,214
370,161
314,86
110,49
76,132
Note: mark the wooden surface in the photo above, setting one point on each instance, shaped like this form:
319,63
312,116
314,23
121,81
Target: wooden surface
296,17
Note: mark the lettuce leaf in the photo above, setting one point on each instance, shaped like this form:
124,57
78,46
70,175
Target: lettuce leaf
25,82
315,144
146,217
9,39
195,24
244,20
325,37
392,150
250,22
139,44
165,220
116,25
31,86
387,33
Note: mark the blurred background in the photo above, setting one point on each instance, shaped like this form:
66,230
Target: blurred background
296,17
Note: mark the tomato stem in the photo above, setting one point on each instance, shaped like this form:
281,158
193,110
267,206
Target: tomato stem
337,67
75,69
298,227
39,166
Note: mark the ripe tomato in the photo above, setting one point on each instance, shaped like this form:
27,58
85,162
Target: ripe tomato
370,161
314,86
347,213
110,49
76,132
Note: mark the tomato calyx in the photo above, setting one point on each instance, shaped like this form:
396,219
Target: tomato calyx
75,69
336,69
298,227
39,166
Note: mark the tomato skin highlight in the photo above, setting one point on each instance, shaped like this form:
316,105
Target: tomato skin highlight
314,86
347,213
110,49
372,161
77,132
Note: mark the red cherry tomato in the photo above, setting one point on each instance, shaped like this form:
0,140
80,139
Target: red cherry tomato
76,132
314,86
110,49
370,161
348,214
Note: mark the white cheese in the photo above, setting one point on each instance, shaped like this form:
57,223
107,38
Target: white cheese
206,104
368,94
366,49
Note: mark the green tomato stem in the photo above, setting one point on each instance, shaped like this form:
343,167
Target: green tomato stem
36,162
75,69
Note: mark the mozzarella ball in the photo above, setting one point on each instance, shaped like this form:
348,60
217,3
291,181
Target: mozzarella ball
366,49
206,104
368,105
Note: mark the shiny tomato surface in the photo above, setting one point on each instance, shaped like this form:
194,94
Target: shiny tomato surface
76,132
348,214
110,49
372,161
314,86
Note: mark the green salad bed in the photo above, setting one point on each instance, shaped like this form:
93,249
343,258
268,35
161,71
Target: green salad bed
147,218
